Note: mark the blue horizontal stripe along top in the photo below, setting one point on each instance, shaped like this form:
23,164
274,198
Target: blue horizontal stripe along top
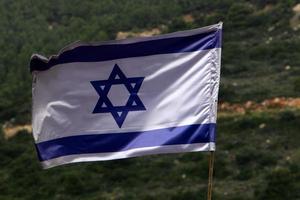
104,52
116,142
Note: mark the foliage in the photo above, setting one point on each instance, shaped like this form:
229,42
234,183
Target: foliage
251,163
260,59
258,41
282,183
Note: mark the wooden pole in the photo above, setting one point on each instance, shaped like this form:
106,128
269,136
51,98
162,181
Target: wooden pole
210,174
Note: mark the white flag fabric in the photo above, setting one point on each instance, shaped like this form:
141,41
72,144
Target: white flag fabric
127,98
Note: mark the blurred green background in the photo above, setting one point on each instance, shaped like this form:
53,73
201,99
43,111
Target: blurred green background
258,154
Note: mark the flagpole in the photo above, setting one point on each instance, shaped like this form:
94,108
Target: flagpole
210,174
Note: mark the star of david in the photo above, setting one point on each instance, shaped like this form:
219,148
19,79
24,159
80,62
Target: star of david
104,105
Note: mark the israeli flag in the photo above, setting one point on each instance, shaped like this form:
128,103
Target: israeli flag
127,98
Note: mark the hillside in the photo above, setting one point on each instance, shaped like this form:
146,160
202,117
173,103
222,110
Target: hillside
258,151
260,50
257,158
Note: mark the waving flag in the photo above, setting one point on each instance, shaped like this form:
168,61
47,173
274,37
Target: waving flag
127,98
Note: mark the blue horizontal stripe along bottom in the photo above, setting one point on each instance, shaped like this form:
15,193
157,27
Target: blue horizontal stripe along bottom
116,142
104,52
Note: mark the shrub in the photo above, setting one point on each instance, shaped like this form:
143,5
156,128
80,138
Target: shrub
282,183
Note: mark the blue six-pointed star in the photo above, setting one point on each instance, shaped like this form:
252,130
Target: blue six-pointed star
104,105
